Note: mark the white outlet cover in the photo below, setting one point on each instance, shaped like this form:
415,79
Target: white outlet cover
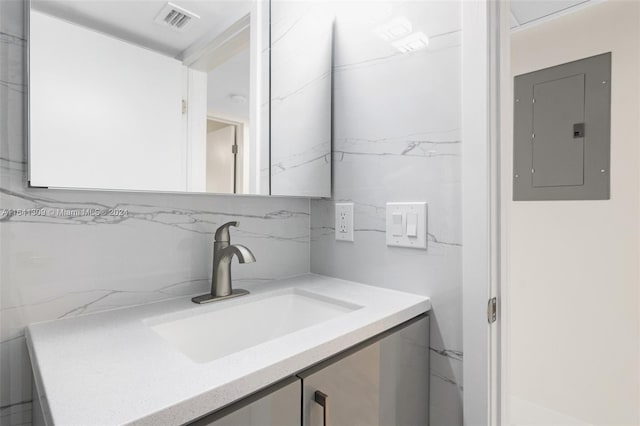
417,242
344,222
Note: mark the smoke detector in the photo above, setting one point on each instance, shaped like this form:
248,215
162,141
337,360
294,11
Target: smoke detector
237,99
175,17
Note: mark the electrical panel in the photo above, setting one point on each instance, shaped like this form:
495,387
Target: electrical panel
562,120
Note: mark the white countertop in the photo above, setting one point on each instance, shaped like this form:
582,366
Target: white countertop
109,368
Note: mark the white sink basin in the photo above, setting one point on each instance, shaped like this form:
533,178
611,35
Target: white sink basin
205,337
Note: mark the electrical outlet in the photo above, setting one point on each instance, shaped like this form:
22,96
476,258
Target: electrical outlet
344,221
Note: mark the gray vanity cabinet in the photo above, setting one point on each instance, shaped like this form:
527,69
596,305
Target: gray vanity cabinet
382,382
277,405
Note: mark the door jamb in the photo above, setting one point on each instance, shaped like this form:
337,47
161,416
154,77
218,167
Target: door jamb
481,207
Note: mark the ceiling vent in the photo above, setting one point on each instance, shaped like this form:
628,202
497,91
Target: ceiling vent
175,17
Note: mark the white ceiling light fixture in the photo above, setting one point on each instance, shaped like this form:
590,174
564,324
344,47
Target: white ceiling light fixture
175,17
394,29
411,43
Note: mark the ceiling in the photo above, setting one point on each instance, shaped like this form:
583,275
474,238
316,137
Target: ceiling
528,12
227,84
133,20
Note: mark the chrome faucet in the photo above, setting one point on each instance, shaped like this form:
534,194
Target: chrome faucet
223,252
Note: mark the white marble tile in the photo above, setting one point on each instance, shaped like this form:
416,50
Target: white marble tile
397,138
445,401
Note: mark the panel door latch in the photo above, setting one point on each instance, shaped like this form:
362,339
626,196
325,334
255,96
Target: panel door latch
578,130
492,310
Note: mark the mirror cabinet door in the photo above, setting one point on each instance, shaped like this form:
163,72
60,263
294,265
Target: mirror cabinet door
301,76
147,95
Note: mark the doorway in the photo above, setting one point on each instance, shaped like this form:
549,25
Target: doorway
224,145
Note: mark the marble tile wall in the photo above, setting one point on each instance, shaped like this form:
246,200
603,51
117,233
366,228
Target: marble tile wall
66,263
397,138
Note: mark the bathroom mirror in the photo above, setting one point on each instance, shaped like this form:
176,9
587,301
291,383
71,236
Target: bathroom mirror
150,95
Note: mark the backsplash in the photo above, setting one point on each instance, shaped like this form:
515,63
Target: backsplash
397,138
62,259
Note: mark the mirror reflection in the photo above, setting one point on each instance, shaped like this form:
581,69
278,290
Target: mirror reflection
149,95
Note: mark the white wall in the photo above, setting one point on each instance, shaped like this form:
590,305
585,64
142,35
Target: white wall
104,113
573,266
196,131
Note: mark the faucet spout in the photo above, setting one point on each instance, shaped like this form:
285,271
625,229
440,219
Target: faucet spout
243,253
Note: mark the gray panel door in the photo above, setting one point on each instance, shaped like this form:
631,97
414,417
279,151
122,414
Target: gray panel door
558,156
382,384
278,405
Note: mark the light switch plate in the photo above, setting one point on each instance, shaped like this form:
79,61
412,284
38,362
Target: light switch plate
414,220
344,222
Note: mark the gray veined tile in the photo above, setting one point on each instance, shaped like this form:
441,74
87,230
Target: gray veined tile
12,152
15,386
65,212
12,50
16,413
318,153
12,16
449,353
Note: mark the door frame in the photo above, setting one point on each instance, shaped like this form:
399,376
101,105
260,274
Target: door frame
483,73
241,130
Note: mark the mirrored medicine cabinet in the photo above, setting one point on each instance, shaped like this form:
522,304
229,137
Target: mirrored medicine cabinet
225,97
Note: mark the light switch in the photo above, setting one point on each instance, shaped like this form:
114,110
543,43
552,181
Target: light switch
411,218
396,224
412,225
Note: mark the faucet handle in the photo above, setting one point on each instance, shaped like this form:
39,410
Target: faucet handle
222,233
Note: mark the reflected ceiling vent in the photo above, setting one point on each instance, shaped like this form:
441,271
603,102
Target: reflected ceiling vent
412,42
175,17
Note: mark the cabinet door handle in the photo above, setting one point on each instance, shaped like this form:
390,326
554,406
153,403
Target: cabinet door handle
321,399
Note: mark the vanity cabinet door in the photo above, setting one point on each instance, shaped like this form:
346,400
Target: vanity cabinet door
384,382
278,405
